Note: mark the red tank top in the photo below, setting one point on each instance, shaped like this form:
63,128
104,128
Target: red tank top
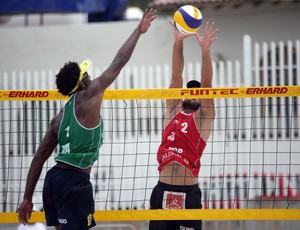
182,143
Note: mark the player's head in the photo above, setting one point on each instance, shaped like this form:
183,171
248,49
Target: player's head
193,84
193,104
70,76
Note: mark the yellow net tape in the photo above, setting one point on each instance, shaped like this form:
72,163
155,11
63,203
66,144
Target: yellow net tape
187,214
140,94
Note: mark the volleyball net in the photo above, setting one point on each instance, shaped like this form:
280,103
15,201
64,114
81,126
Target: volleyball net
250,169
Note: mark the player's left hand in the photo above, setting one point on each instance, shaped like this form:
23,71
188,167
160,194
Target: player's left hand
209,36
24,211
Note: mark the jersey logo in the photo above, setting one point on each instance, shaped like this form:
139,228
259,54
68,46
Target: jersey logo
171,137
65,148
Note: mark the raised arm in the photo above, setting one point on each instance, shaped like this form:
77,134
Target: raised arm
205,43
207,111
101,83
177,66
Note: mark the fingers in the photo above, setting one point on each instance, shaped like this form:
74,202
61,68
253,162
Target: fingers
206,27
22,219
209,30
153,15
150,14
213,35
211,27
148,17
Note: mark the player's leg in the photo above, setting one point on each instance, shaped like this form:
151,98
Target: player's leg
156,203
193,201
72,197
49,205
77,202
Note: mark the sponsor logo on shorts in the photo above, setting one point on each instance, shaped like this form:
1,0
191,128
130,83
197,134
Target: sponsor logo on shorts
62,221
89,219
173,200
186,228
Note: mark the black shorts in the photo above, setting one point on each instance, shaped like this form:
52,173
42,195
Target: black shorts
166,196
68,199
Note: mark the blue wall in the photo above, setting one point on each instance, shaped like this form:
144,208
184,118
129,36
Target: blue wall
101,10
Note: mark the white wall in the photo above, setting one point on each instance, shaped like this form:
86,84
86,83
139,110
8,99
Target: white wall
48,47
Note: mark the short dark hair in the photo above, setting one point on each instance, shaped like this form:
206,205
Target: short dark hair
67,77
193,84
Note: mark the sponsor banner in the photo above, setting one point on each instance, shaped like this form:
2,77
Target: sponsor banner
27,95
139,94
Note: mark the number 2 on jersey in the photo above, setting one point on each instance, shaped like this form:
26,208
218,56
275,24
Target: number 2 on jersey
184,126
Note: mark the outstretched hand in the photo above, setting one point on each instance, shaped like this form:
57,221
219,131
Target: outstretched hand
209,36
148,17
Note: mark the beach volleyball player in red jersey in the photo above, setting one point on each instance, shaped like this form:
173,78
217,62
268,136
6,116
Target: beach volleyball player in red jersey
187,127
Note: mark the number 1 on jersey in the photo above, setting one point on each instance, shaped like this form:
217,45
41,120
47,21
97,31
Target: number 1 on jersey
67,130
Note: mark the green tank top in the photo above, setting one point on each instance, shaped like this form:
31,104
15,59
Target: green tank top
78,146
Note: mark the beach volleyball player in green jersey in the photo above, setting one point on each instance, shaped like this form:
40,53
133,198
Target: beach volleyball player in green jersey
67,194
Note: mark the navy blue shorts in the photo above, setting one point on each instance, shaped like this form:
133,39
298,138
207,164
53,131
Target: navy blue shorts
166,196
68,199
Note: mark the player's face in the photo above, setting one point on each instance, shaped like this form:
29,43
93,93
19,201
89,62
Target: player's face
193,104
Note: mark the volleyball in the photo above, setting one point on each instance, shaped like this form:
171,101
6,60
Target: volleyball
187,19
